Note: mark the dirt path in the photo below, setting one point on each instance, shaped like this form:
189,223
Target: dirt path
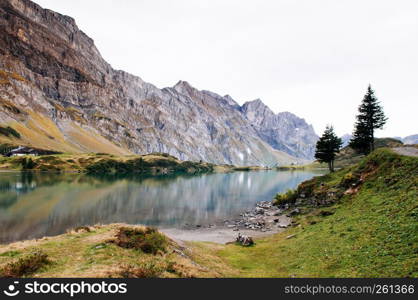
407,151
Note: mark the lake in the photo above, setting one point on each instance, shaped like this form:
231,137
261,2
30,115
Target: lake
33,205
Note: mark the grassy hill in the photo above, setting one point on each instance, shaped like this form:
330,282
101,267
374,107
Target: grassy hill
114,250
347,156
361,221
366,225
102,163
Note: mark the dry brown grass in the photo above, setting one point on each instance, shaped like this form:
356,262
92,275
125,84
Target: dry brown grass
89,254
25,265
39,131
10,106
148,239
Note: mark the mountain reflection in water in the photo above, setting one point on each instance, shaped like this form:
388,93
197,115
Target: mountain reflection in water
33,205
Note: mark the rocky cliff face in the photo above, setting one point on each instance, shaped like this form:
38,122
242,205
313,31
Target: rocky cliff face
283,131
58,93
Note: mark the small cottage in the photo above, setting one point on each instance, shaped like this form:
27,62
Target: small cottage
21,151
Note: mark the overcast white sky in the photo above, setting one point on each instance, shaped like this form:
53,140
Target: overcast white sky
312,58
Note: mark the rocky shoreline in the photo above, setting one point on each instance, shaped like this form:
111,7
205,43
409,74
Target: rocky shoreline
263,220
264,217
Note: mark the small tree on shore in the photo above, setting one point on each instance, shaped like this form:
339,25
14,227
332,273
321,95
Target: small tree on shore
327,147
370,118
28,163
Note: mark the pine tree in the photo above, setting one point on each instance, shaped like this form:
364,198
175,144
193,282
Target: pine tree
370,118
327,146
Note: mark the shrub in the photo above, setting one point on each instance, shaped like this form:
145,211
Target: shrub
146,270
164,163
349,180
82,229
287,198
25,265
242,169
148,240
6,148
106,166
28,164
139,165
193,167
9,131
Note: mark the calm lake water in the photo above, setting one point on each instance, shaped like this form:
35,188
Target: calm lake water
34,205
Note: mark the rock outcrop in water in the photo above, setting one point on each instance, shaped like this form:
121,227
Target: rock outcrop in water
59,93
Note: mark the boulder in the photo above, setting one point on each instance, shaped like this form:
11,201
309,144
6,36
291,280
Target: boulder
294,212
259,211
244,240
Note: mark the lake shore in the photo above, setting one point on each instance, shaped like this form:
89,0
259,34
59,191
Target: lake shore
343,226
108,164
264,220
183,202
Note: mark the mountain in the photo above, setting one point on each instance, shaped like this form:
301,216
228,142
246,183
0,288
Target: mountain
411,139
346,139
58,93
283,131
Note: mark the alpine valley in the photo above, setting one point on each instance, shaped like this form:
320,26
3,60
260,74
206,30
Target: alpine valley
58,93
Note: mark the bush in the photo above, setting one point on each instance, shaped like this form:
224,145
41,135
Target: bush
287,198
139,165
349,180
111,166
148,240
242,169
9,131
6,148
193,167
28,164
25,265
82,229
163,154
146,270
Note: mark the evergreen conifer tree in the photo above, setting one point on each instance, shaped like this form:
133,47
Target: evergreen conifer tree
327,146
370,118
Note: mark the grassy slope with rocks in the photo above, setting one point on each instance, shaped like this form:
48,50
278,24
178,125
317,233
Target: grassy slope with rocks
347,156
361,221
115,250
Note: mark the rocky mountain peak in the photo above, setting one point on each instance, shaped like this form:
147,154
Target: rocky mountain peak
257,112
283,131
182,84
230,101
66,97
185,88
254,105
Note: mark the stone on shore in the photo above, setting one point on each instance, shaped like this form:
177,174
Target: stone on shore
244,240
